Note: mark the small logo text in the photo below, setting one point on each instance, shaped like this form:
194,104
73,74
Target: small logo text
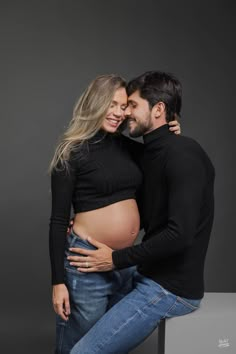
223,343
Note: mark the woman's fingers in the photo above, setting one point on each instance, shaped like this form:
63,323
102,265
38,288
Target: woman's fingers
59,309
173,122
175,129
60,301
174,126
67,307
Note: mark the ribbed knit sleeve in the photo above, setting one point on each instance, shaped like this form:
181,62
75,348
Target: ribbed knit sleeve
62,186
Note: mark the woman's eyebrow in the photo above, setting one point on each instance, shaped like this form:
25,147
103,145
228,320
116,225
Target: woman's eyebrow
115,102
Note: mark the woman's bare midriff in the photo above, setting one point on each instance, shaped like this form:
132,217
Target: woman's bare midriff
116,225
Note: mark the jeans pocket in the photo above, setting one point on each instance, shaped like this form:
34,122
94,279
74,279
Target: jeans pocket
182,306
71,268
192,304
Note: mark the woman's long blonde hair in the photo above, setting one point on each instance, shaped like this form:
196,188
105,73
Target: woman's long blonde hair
88,115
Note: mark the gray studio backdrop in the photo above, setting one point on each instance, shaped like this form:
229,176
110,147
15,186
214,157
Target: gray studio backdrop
50,50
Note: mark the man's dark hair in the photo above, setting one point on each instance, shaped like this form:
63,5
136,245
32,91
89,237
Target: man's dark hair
158,86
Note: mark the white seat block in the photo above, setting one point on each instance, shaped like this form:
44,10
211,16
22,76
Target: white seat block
209,330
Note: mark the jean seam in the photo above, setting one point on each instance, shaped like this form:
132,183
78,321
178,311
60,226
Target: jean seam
62,330
170,309
138,312
71,240
187,304
156,299
164,290
113,334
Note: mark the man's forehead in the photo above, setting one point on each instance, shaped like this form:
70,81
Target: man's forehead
134,96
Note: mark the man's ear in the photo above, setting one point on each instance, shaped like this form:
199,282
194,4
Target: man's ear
158,110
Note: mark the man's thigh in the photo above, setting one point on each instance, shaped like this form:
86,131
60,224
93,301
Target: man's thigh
128,322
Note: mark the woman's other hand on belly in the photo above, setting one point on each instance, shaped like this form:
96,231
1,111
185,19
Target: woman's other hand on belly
99,260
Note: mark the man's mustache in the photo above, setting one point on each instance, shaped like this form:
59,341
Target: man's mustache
124,125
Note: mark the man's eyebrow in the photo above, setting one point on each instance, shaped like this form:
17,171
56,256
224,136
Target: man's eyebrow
132,101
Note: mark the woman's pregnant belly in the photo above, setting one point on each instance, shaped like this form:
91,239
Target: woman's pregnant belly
116,225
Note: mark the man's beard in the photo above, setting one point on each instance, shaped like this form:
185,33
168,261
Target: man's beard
139,130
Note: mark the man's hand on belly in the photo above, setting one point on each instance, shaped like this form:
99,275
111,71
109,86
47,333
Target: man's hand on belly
99,260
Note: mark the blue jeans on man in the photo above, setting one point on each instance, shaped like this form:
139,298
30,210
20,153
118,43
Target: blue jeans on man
133,318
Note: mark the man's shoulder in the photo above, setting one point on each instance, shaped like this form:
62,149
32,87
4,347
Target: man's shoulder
182,143
183,150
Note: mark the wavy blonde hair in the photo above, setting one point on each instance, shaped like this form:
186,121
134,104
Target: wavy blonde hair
88,115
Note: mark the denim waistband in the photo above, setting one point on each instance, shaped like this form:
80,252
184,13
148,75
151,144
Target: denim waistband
75,240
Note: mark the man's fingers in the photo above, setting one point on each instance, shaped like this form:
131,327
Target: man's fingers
95,242
81,264
79,259
82,251
88,270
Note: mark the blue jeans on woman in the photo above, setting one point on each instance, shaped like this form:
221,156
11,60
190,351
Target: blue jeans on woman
91,295
133,318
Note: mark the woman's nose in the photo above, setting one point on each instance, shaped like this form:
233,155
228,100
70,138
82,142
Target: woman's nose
118,112
127,111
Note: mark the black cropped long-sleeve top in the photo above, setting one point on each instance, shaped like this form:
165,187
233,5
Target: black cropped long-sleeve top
102,171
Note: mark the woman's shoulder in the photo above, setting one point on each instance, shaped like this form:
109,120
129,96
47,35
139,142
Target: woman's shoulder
134,147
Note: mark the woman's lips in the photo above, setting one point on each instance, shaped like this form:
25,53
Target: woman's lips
113,122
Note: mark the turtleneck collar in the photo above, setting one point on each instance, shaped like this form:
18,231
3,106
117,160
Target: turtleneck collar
100,135
156,134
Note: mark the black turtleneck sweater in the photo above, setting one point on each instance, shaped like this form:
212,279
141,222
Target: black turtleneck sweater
177,214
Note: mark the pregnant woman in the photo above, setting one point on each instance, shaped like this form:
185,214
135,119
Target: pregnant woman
95,170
